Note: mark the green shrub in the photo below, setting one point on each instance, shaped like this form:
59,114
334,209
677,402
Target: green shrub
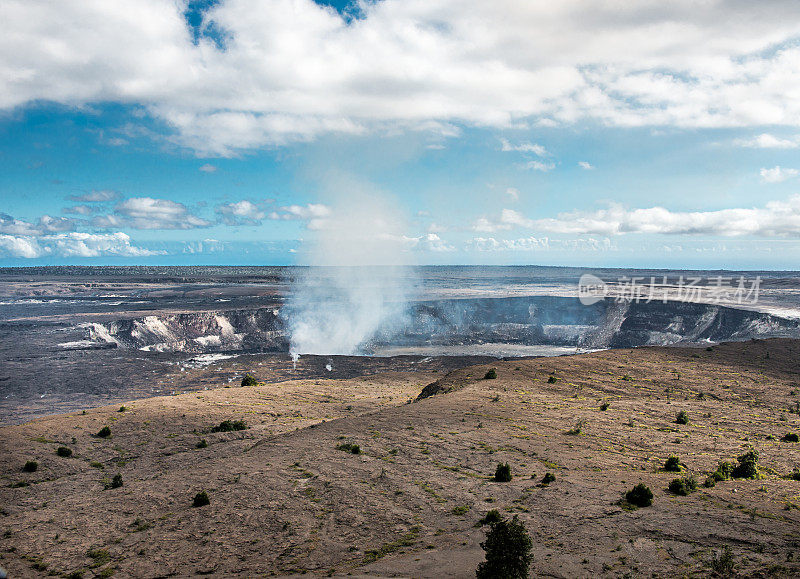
122,409
349,447
508,551
31,466
683,486
640,496
795,475
201,499
115,483
95,464
99,557
682,418
460,510
604,406
502,473
492,516
230,426
722,564
104,432
548,478
673,464
249,380
490,375
552,380
790,437
64,451
202,444
724,471
710,481
748,466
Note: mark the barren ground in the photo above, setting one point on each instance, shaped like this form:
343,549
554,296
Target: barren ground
285,501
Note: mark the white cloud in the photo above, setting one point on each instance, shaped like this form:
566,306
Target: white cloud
316,214
96,196
491,244
208,168
73,244
585,165
512,193
292,69
149,213
78,210
539,150
767,141
44,225
775,219
778,174
241,213
544,167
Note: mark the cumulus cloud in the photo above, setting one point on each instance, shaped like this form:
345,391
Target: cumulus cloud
491,244
73,244
778,174
44,225
767,141
585,165
428,242
96,196
240,213
775,219
294,69
149,213
544,167
316,214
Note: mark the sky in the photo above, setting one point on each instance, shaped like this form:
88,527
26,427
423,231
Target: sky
261,132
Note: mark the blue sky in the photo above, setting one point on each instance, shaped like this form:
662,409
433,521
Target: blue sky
242,132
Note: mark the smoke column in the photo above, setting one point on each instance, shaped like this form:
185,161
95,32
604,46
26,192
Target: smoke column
359,280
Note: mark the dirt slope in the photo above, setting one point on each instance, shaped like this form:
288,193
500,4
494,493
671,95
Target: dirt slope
285,501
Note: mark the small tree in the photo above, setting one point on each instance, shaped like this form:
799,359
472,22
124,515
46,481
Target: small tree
640,496
502,473
249,380
490,375
508,551
682,418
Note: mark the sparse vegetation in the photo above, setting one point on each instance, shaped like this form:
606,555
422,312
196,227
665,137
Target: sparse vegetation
406,540
640,496
548,478
31,466
604,406
682,418
349,447
230,426
104,432
723,563
122,409
552,380
508,551
202,443
64,451
683,486
502,473
491,374
249,380
201,499
460,510
790,437
99,557
724,471
115,483
673,464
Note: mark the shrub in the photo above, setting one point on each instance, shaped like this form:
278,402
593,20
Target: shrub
490,375
64,451
683,486
682,418
673,464
122,409
502,473
548,478
640,496
460,510
722,564
104,432
202,444
748,466
492,516
31,466
201,499
508,551
790,437
115,483
795,475
552,380
724,471
349,447
230,426
249,380
604,406
710,481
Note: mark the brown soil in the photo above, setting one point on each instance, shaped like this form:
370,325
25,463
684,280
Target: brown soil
285,501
